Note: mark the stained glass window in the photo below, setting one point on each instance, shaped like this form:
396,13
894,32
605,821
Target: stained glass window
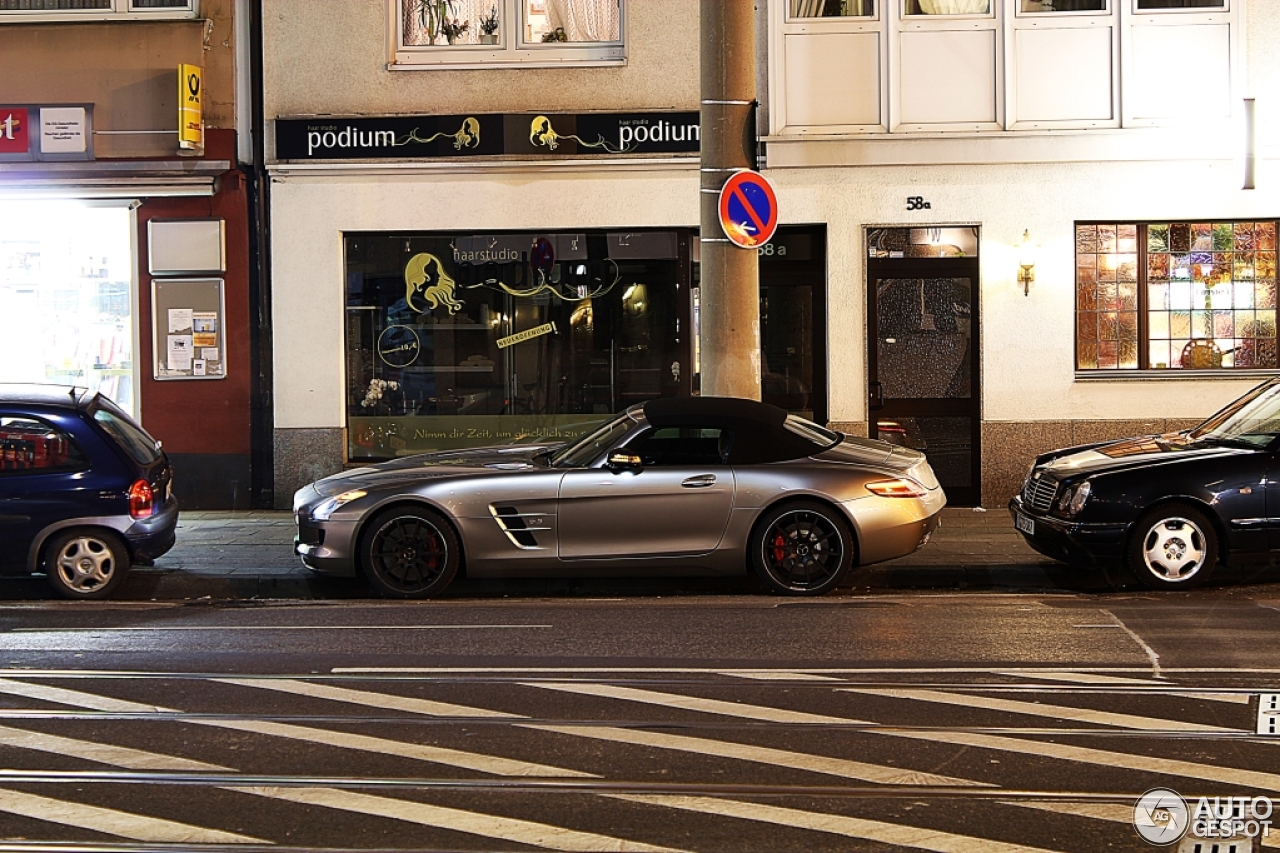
1176,296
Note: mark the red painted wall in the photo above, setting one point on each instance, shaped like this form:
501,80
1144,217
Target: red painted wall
208,416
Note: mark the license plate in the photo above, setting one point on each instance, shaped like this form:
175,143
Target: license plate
1024,524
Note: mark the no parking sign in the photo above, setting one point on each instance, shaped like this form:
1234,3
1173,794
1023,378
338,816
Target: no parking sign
748,209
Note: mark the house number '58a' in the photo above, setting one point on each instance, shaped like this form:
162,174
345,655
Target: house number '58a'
917,202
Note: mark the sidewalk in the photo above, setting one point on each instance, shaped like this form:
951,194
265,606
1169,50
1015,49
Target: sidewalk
249,555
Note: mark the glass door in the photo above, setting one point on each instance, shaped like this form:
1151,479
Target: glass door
922,363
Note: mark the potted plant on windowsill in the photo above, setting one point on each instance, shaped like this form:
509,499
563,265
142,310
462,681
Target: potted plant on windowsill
489,26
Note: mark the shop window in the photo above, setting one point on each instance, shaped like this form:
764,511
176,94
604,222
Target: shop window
460,340
1176,296
485,33
55,10
30,445
831,9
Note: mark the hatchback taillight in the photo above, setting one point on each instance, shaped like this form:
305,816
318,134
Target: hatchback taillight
141,499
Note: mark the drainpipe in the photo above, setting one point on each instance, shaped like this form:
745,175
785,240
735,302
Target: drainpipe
730,285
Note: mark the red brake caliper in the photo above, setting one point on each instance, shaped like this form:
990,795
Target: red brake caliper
779,548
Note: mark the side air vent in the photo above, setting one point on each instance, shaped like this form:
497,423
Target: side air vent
519,526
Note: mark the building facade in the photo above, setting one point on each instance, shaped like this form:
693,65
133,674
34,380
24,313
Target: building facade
125,246
489,233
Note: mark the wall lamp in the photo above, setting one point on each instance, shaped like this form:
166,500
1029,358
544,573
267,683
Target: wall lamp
1026,263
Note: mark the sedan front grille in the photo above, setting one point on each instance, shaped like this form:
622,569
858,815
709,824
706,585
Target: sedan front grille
1039,491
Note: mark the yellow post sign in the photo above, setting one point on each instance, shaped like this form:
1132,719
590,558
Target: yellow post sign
190,112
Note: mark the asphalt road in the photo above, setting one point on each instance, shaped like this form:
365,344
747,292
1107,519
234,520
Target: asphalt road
714,720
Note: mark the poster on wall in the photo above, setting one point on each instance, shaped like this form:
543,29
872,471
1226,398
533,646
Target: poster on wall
188,328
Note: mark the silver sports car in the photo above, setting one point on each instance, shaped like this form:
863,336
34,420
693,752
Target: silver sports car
699,485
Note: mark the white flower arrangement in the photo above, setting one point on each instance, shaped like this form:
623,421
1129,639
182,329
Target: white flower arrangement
376,389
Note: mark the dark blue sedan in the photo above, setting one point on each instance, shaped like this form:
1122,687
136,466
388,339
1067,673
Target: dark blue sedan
85,492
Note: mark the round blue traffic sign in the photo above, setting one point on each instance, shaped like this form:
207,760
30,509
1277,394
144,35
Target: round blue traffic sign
748,209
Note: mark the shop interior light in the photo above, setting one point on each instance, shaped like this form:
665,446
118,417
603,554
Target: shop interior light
1026,262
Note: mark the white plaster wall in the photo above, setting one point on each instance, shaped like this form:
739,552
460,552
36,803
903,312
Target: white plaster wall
309,216
1028,365
329,57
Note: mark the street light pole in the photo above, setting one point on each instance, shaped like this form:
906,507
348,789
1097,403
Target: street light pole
730,286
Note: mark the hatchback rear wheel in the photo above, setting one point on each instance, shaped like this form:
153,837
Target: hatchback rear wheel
1173,547
86,564
410,553
802,548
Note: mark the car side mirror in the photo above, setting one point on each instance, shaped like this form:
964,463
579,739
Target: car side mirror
621,460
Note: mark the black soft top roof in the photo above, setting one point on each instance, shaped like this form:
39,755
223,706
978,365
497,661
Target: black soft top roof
758,432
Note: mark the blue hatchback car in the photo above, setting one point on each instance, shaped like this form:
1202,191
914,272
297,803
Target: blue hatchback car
85,492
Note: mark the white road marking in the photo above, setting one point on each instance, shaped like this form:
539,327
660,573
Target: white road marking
345,740
1156,686
1114,812
114,822
692,703
777,675
101,753
1037,709
843,768
1152,654
475,823
144,629
366,698
690,670
366,743
850,827
1164,767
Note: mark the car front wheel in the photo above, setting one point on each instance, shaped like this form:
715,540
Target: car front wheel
86,564
410,553
802,548
1173,547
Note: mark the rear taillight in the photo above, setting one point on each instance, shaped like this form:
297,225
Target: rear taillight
141,499
902,487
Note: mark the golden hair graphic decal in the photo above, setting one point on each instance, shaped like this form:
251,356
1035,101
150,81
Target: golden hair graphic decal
541,133
424,275
466,136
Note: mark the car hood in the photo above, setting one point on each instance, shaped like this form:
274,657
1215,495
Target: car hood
1133,453
428,466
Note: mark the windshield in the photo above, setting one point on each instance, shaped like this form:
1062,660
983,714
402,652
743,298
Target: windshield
1254,418
820,436
134,439
584,451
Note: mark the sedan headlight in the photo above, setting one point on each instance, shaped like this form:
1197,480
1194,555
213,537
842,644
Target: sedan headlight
1074,499
326,508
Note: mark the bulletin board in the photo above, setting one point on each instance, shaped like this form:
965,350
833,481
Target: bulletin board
188,328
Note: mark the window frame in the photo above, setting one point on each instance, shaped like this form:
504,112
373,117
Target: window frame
120,10
1144,370
511,51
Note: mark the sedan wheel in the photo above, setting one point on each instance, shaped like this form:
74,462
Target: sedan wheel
86,564
802,549
410,553
1174,547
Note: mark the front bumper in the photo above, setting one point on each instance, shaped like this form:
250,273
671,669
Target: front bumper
1071,541
327,547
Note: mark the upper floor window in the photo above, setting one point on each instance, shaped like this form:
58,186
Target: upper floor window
1144,5
485,33
96,10
1176,296
832,8
948,7
1063,6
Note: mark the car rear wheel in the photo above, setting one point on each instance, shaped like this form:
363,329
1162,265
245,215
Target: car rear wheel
802,548
86,564
410,553
1173,547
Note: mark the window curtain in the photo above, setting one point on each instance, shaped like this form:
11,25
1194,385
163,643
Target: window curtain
585,20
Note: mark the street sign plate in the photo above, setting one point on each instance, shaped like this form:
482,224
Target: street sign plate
748,209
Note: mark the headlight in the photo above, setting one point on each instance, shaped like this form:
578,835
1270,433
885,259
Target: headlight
326,508
1074,499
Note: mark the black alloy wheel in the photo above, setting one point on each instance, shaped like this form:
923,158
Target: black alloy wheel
410,553
85,564
802,548
1173,547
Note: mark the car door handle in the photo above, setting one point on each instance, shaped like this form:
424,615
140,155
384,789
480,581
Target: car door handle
700,482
